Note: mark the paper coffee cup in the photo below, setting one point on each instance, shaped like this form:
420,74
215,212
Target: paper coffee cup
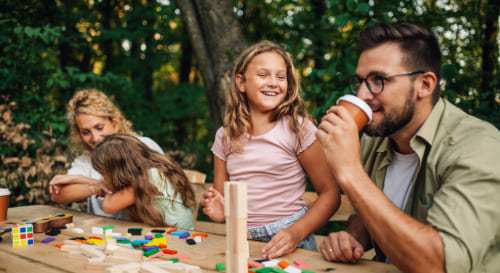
4,203
359,110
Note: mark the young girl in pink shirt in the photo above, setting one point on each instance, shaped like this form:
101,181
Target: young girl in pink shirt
268,141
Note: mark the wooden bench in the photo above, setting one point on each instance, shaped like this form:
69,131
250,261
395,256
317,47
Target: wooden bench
342,213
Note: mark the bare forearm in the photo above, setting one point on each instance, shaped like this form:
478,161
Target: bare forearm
410,245
73,193
114,202
319,214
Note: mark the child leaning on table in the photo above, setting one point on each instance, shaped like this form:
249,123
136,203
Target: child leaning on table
149,186
268,141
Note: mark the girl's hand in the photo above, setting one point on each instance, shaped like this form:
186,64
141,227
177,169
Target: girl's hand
61,180
100,189
213,205
284,242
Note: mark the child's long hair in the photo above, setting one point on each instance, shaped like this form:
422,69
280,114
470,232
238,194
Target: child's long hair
96,103
125,160
237,117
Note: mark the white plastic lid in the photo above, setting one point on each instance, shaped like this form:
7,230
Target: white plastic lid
358,102
4,191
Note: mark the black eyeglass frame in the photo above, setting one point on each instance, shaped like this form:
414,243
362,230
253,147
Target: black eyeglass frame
358,81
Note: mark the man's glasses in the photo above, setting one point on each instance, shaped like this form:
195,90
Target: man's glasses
374,82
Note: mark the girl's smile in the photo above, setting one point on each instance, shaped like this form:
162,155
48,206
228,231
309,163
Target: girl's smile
264,82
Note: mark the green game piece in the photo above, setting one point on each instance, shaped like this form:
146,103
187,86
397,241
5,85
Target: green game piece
158,235
108,227
264,270
175,260
220,266
151,252
306,271
278,270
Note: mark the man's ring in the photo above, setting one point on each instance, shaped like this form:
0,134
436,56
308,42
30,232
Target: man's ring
331,250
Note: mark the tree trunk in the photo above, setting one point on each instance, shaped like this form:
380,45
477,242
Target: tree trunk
490,48
216,42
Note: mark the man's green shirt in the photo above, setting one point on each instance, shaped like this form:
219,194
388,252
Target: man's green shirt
456,186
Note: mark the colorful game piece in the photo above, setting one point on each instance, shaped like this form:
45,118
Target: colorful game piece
220,266
254,264
171,231
301,264
158,231
48,240
135,231
179,233
22,235
190,242
169,251
180,256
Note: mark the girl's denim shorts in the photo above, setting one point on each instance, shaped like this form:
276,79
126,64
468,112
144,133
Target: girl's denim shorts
265,233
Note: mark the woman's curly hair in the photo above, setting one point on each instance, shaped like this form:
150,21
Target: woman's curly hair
96,103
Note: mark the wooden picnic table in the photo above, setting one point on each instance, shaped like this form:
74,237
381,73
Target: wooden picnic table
41,258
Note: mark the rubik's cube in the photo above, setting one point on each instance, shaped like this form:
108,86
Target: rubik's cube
22,235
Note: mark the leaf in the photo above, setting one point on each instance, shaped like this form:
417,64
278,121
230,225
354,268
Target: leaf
342,19
364,8
351,5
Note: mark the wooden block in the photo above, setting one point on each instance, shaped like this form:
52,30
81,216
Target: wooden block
236,211
110,248
97,230
92,222
91,251
120,268
98,266
291,269
132,255
97,259
235,195
150,268
180,268
69,248
158,263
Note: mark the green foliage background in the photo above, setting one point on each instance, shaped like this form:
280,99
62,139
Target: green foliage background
138,53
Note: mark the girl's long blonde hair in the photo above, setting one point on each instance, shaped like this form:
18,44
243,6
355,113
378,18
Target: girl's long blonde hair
126,162
96,103
237,124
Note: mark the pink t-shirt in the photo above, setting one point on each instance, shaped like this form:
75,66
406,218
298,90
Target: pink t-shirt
270,167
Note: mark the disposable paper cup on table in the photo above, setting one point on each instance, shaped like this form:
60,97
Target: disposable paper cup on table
4,203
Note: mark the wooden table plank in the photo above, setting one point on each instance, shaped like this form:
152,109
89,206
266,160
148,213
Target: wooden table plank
205,254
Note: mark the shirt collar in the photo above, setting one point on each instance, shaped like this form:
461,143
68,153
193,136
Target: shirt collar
424,136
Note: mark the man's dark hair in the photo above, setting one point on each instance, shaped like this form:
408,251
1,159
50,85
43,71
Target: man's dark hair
418,44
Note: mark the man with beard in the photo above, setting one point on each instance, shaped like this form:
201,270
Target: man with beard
424,180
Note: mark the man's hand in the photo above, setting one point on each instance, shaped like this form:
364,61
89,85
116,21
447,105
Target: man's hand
341,247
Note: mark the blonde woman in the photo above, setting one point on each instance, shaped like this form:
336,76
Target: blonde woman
92,116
